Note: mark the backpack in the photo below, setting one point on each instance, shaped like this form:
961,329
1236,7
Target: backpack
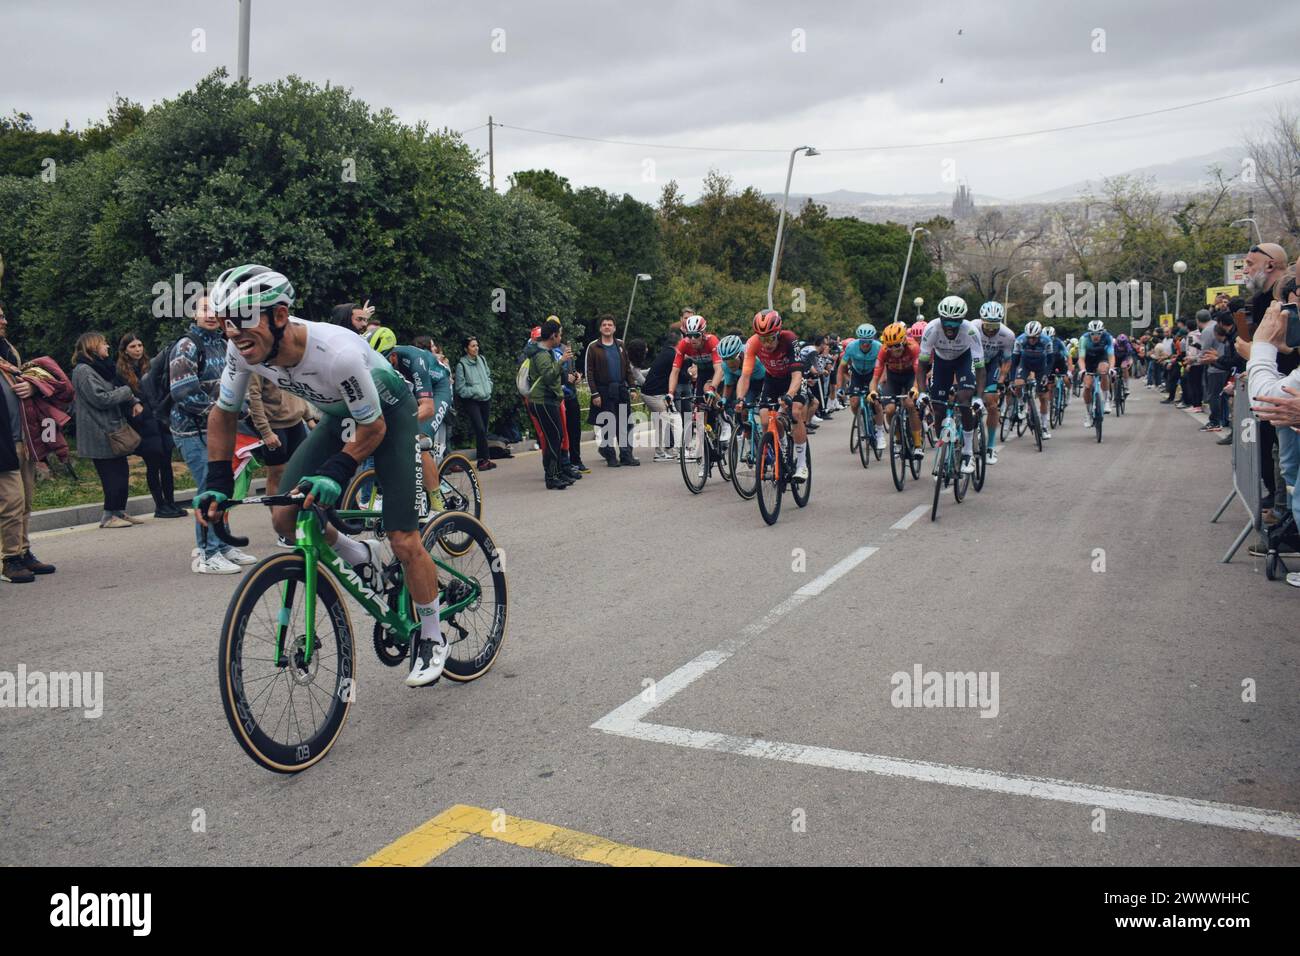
156,385
523,379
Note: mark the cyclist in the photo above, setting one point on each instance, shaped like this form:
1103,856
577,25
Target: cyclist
998,343
1124,352
857,362
1034,354
698,347
897,364
958,360
368,409
431,386
1096,355
773,347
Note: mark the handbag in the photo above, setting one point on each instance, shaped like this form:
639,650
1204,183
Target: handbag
123,440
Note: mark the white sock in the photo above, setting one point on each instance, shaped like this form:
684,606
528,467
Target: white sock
428,615
353,552
967,443
800,454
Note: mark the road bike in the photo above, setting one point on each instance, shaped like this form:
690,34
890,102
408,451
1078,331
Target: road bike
1013,416
287,657
700,449
1060,399
902,451
1096,405
1118,392
457,489
947,455
776,462
1033,417
862,436
742,453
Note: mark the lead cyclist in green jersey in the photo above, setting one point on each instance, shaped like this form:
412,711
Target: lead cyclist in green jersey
368,410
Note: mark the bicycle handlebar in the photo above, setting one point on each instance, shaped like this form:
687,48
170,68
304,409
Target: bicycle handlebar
222,528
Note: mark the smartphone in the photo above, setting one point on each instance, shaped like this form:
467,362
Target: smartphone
1292,325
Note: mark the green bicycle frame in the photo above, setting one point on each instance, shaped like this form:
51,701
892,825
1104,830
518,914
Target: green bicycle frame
311,544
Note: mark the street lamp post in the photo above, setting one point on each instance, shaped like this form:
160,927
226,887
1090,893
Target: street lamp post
1179,267
1134,287
640,277
245,15
917,303
906,265
1258,237
1006,290
780,224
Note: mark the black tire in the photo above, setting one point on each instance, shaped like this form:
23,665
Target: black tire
477,631
900,454
692,466
744,471
1272,570
1005,422
938,490
960,480
770,488
864,441
723,458
362,494
460,491
1097,415
801,491
267,714
855,432
1036,423
981,446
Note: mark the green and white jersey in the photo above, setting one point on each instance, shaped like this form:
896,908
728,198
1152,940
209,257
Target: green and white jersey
339,373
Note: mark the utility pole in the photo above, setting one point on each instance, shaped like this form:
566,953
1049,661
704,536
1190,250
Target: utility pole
492,168
245,15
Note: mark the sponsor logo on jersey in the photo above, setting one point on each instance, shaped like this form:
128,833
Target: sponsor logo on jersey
351,388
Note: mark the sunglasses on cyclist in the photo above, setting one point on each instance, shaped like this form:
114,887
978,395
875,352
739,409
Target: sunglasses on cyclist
694,335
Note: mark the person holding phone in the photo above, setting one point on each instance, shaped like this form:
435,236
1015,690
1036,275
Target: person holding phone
1275,388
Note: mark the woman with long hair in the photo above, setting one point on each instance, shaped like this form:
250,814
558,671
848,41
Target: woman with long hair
155,440
103,407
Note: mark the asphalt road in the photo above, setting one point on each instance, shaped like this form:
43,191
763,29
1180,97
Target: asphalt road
738,677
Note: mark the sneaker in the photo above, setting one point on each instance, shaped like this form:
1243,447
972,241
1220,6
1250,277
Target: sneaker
126,517
32,564
169,510
817,420
15,572
967,465
430,658
1214,428
627,459
664,456
881,441
282,542
485,464
992,456
1293,579
1166,401
801,473
113,521
572,472
235,556
918,453
1197,409
580,465
553,485
1046,433
217,564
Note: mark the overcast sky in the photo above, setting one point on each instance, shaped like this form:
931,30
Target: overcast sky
712,74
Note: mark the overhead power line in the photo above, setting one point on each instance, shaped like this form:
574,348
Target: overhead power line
897,146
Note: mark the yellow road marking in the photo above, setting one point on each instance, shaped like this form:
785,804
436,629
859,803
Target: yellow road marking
459,823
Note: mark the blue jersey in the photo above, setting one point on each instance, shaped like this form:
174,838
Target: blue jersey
859,361
1106,344
1033,356
730,376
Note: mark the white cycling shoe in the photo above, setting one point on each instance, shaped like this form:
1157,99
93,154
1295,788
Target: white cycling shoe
1046,434
992,456
967,465
801,473
881,441
430,659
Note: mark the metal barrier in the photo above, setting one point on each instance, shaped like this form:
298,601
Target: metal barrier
1246,466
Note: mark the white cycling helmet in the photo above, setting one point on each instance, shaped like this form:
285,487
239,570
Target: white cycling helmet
243,293
730,346
695,325
992,312
1050,331
1033,329
952,307
1096,325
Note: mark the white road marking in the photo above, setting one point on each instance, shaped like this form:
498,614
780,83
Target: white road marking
628,720
905,522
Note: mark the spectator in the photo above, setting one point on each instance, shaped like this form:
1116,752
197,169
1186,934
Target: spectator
104,434
361,319
194,368
1194,375
1214,346
545,395
609,373
17,468
1266,269
279,418
1273,392
666,426
572,410
155,440
473,384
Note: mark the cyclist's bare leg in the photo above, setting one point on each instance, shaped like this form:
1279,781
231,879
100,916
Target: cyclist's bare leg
420,571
